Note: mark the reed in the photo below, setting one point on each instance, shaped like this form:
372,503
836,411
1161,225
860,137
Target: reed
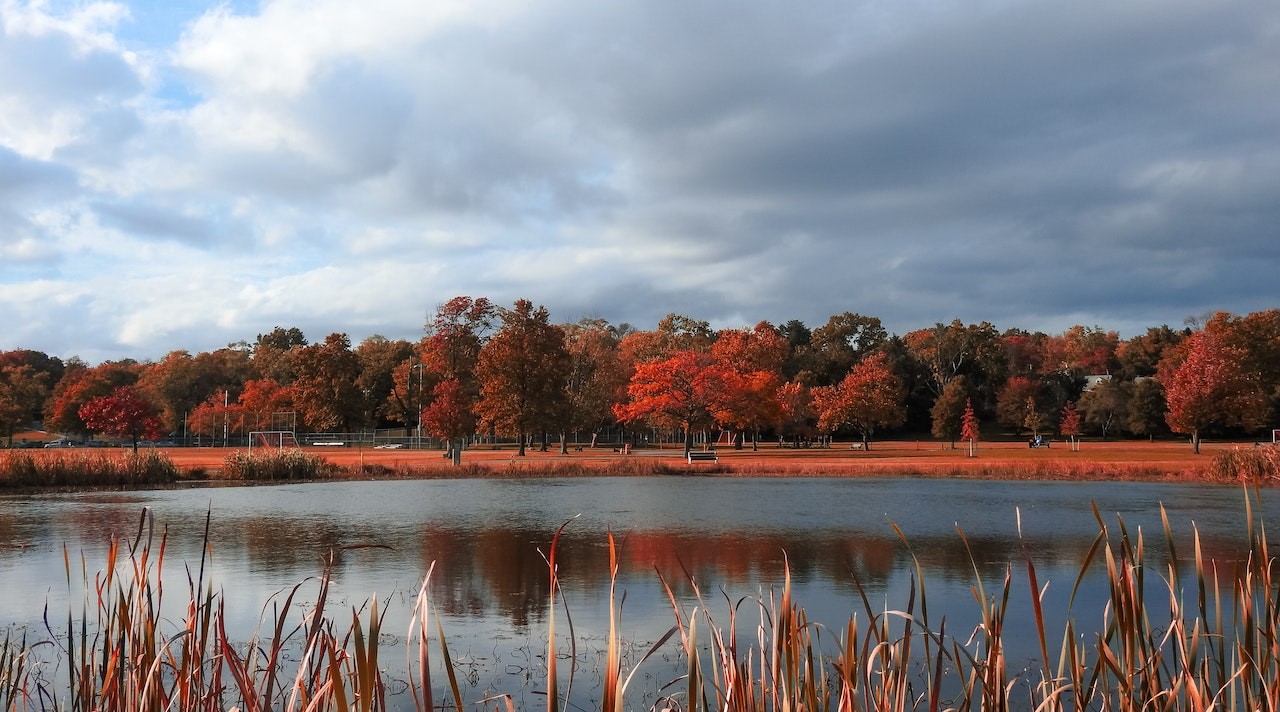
1259,464
1186,636
86,469
278,465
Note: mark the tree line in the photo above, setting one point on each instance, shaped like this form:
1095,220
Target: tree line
512,372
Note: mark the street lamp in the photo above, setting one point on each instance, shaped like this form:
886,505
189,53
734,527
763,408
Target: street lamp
417,367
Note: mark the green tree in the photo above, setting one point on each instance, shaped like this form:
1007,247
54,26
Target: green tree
948,410
1146,408
1106,406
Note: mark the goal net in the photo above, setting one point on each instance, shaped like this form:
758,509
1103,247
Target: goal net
1275,436
272,440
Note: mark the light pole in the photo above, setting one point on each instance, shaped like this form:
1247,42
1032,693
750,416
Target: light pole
418,435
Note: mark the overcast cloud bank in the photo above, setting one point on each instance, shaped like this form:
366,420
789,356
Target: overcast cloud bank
184,176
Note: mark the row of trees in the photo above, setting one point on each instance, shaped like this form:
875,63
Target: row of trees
512,372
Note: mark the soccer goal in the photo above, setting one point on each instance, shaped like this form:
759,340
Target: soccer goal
272,440
1275,436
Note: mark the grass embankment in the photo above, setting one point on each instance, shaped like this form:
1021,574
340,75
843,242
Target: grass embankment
1211,642
1138,461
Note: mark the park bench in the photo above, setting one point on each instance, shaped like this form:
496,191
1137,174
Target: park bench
708,456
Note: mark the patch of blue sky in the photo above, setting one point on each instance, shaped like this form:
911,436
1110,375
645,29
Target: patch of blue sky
158,24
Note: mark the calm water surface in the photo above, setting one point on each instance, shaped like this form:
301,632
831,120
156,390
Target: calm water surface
487,539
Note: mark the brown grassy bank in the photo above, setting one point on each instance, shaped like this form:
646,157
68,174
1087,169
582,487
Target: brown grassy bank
1093,461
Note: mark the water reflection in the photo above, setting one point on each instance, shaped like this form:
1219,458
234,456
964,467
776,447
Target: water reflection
488,540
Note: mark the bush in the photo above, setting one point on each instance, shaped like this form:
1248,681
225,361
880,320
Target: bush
1260,463
277,465
25,469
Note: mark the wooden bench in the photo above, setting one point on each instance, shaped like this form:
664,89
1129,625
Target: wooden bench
708,456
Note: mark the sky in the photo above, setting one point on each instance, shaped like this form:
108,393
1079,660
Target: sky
181,174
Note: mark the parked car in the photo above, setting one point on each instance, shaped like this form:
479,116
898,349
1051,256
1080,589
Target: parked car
63,443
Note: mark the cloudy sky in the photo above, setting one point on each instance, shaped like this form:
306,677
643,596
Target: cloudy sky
183,174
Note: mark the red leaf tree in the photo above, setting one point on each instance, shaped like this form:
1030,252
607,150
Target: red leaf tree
869,397
123,414
1210,387
969,426
675,392
1070,423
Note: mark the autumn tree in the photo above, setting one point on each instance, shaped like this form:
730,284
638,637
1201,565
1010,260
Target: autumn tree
124,413
675,332
451,415
675,392
870,396
325,388
1069,424
180,381
746,402
1139,356
1011,403
751,361
845,340
521,371
217,416
795,414
951,350
272,353
969,430
79,386
596,379
22,391
1211,388
1032,418
379,358
267,405
948,410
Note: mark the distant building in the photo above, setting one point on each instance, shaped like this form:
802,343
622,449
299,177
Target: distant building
1092,381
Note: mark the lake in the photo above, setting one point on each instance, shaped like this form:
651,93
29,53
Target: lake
732,537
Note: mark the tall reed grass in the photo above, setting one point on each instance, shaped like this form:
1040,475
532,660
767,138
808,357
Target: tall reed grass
85,469
1210,641
286,464
1259,464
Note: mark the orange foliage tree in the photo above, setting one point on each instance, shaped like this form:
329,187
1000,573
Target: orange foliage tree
675,392
451,414
795,411
750,361
870,396
1210,387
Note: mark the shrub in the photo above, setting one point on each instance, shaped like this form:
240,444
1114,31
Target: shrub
1260,463
277,465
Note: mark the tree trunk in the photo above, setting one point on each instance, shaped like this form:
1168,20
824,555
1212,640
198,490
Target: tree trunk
520,452
564,443
688,441
1195,441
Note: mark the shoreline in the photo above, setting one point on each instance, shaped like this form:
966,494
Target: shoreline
1140,461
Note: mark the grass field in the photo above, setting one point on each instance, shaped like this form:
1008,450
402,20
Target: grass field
1132,460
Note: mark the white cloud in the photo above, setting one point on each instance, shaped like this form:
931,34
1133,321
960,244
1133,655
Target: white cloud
346,166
